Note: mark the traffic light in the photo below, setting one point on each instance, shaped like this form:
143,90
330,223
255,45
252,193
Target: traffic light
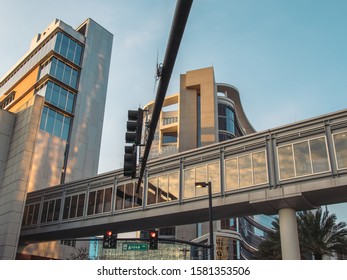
134,127
110,240
130,158
133,136
153,240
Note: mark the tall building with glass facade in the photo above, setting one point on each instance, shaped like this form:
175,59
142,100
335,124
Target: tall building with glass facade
52,108
202,113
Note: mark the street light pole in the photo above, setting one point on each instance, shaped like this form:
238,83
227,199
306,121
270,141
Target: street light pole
210,218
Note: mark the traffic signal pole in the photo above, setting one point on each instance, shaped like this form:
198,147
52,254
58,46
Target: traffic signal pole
177,29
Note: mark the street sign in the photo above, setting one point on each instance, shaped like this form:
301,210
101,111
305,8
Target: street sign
135,247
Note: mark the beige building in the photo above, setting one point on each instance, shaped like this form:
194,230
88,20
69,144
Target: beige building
202,113
52,108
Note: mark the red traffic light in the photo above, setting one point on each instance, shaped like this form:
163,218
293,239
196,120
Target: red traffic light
153,234
109,233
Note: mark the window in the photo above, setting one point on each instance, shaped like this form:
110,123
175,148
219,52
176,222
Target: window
204,173
99,201
73,206
246,170
340,144
31,214
60,71
127,197
55,123
169,137
303,158
50,210
226,118
7,100
68,48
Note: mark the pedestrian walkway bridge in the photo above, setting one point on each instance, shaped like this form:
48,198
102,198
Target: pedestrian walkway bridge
301,166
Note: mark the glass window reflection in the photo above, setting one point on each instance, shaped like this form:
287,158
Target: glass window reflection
340,143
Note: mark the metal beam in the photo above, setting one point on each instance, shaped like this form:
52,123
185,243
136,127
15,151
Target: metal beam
177,29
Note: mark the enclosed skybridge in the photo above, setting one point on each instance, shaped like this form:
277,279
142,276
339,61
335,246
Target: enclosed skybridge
298,166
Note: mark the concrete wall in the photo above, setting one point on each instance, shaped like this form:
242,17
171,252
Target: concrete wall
16,175
6,128
84,150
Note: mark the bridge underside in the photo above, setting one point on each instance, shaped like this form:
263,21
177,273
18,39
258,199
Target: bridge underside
307,195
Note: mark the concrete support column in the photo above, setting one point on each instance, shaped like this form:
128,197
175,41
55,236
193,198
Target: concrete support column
289,234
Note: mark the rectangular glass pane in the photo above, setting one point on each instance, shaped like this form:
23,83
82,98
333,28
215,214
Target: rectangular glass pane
259,168
78,53
71,50
119,197
58,124
67,75
80,207
200,176
138,197
91,203
128,195
245,171
173,186
57,209
66,128
108,198
189,183
73,206
44,118
74,76
340,141
214,177
55,95
36,213
302,159
64,46
231,174
99,201
152,190
70,100
50,211
66,207
60,70
50,121
163,188
319,155
62,98
285,161
30,214
44,212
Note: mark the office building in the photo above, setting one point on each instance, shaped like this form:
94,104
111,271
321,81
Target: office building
52,108
202,113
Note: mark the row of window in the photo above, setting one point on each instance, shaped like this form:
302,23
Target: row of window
68,48
57,96
60,71
169,137
163,188
303,158
27,65
171,120
226,118
55,123
8,99
294,160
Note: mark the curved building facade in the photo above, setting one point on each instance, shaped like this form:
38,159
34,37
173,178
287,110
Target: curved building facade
202,113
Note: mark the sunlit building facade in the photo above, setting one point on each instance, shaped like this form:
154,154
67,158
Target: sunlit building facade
202,113
52,108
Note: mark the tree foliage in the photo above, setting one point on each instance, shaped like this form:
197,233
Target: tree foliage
319,235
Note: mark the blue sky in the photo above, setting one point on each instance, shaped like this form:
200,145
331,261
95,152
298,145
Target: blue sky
287,58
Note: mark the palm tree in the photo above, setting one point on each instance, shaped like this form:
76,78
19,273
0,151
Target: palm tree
319,235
